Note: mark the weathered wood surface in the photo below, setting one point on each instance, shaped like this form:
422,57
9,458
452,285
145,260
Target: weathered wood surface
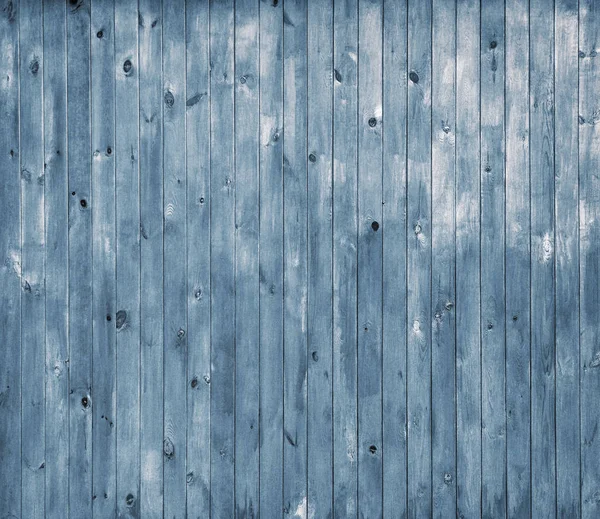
299,258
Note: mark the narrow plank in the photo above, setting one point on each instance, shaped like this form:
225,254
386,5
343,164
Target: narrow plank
543,390
468,283
33,324
271,256
222,259
419,259
589,253
370,260
198,257
247,257
395,33
80,259
127,318
295,161
151,257
566,66
518,323
345,260
104,310
57,256
10,265
174,257
493,418
319,319
443,266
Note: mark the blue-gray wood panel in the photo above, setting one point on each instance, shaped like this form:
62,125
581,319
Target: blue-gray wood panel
299,258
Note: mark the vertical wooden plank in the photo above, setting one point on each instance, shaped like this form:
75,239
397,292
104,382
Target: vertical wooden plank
370,260
174,257
589,252
395,32
198,257
127,317
271,256
80,259
543,391
56,258
419,259
345,259
320,210
104,259
295,161
151,101
222,259
518,469
493,481
443,332
10,265
468,282
32,258
247,274
566,67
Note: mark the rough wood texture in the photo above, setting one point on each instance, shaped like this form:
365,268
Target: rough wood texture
299,258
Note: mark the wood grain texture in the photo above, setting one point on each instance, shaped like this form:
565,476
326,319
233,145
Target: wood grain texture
518,297
468,261
299,258
295,259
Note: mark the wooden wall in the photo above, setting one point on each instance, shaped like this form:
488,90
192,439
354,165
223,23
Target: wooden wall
299,258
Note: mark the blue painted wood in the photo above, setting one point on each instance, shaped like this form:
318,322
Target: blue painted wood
56,203
247,219
345,259
271,222
443,267
370,262
518,301
10,267
105,315
418,252
80,259
492,243
589,254
223,185
468,261
127,317
32,259
395,474
320,254
198,258
151,258
566,185
175,340
543,322
295,258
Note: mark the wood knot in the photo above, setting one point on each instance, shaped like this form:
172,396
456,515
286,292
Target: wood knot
337,75
121,319
312,157
99,34
493,44
169,98
373,449
375,226
168,448
372,122
34,66
413,76
127,66
129,500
